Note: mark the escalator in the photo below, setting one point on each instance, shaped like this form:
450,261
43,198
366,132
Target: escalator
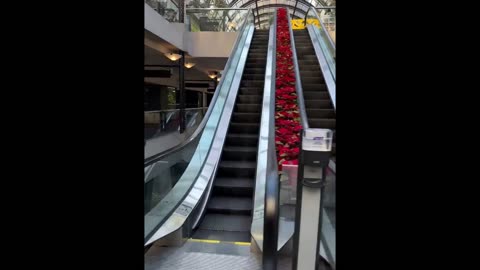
228,216
318,103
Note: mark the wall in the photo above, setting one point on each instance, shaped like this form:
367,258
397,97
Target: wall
210,44
170,32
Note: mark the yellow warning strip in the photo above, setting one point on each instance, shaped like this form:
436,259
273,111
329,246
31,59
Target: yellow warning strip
218,242
243,243
205,241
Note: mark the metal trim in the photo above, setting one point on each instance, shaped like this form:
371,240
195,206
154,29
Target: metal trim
298,83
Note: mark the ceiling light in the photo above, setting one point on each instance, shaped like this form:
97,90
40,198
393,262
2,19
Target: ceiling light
189,65
173,56
212,76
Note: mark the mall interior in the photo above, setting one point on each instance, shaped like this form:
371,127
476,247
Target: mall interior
239,134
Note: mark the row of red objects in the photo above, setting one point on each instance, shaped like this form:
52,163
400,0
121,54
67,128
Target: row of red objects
287,117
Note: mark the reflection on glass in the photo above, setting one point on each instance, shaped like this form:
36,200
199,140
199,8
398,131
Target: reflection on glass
324,30
167,8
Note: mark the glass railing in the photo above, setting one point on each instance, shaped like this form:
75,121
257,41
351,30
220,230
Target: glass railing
328,19
167,8
215,19
162,128
328,239
168,179
324,30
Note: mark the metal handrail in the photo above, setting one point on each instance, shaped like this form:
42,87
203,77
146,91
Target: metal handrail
298,83
161,155
321,23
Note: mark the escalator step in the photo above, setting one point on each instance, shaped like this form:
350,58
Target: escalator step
257,61
312,79
321,123
230,205
234,182
256,108
252,128
234,186
250,91
318,104
316,94
237,169
314,87
311,73
259,76
242,139
239,153
222,236
251,83
320,113
221,222
304,62
246,117
249,99
256,70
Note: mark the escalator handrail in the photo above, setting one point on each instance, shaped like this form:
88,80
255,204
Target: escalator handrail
264,228
298,83
321,24
151,160
272,183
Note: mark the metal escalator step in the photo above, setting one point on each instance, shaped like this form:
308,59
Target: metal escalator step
322,123
319,104
248,153
251,91
230,205
252,83
259,49
234,186
315,94
314,87
256,61
312,79
255,70
222,222
320,113
307,57
252,128
237,168
311,73
249,99
303,62
246,117
259,76
242,139
234,182
222,236
256,108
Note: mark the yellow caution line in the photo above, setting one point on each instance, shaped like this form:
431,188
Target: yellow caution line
218,242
